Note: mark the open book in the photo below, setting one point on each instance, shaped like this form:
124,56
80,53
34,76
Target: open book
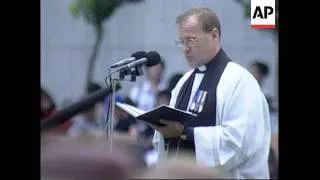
154,115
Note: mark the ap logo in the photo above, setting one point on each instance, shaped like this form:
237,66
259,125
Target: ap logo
263,14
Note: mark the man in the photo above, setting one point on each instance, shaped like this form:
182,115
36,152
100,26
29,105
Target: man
232,130
179,169
259,70
89,157
48,108
144,95
88,121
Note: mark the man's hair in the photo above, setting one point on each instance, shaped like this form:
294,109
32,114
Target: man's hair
45,93
208,19
262,67
162,64
164,92
87,157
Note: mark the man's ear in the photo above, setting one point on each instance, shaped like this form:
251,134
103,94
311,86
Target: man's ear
215,33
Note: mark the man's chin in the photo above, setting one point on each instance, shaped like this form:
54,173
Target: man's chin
192,65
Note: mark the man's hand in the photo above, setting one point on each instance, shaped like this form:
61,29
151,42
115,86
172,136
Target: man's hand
171,129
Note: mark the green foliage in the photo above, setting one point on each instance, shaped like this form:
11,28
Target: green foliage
96,11
74,9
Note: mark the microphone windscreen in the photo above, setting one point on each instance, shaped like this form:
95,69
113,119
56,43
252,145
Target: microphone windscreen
153,58
139,54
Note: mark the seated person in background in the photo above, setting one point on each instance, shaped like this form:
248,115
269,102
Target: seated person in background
126,124
144,94
182,168
87,122
89,157
173,81
163,98
260,70
47,104
48,108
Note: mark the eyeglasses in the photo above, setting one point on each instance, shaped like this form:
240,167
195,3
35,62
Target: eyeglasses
189,42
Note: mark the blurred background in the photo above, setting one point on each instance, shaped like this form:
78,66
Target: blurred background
77,49
67,42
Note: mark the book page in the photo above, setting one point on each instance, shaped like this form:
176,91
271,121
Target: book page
187,112
133,111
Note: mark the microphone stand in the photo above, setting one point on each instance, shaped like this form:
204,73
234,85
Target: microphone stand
110,124
123,71
111,108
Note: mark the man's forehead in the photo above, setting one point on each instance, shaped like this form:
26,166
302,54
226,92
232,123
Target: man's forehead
190,24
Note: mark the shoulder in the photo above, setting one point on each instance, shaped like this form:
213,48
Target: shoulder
234,73
237,80
235,69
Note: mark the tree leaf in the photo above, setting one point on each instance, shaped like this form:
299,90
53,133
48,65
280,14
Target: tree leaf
74,9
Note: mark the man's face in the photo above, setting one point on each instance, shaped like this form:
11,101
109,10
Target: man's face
45,103
255,72
163,100
198,46
155,72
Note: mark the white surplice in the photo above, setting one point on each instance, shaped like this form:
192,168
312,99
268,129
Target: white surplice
239,143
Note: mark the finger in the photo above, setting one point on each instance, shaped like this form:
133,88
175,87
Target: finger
167,122
153,126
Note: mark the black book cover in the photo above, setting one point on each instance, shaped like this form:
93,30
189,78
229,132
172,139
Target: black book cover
154,115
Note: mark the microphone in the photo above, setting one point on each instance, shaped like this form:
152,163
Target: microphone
152,58
83,104
134,56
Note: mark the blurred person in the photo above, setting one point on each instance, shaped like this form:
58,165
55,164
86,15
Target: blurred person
88,120
260,70
126,127
66,102
125,124
232,129
48,108
144,95
47,104
163,97
89,157
274,149
183,168
173,80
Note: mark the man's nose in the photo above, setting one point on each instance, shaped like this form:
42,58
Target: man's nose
186,49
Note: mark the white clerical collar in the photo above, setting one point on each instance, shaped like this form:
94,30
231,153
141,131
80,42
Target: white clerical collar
202,68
